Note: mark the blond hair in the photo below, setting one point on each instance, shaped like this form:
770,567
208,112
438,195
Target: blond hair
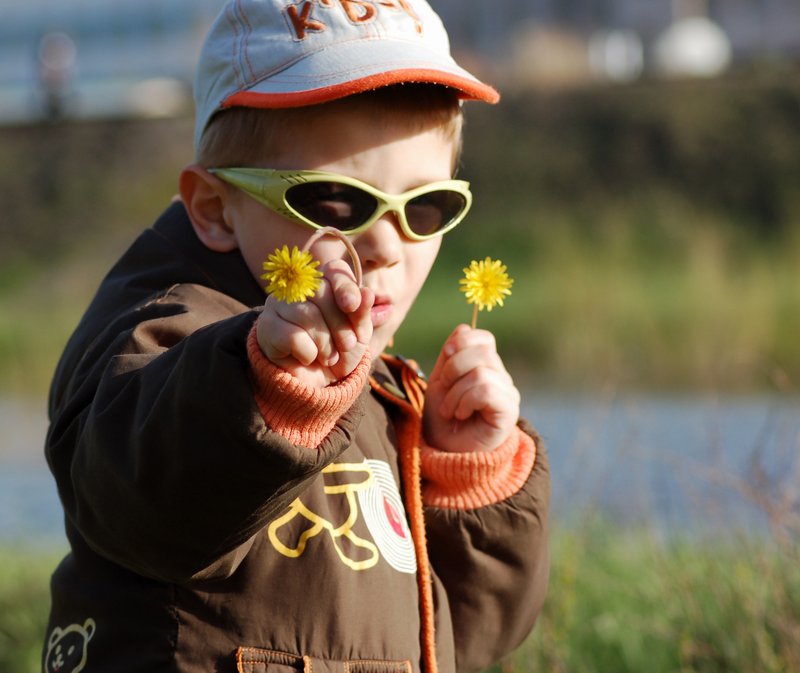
244,136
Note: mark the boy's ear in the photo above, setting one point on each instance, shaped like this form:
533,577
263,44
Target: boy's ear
204,197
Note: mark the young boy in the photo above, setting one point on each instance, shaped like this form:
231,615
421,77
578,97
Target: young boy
231,475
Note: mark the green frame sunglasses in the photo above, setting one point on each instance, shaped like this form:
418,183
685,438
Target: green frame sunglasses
320,199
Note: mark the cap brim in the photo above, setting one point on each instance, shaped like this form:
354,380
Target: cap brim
330,74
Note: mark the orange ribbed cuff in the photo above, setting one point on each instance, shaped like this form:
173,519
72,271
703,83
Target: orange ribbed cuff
303,414
472,480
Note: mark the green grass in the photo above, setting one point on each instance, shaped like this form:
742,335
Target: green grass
624,602
24,606
38,314
619,602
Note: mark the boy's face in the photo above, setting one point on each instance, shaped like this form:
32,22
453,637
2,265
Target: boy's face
382,153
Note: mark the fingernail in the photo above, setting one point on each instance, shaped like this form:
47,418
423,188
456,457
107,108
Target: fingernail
449,349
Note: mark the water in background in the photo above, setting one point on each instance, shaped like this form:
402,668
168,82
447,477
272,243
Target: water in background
678,465
29,508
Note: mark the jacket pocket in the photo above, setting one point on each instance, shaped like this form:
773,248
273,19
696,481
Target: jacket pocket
257,660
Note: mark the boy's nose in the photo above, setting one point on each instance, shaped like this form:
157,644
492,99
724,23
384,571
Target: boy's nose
381,244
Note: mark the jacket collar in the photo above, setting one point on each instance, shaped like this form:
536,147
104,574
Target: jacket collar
225,272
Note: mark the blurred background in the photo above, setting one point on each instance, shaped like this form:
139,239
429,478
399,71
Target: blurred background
640,179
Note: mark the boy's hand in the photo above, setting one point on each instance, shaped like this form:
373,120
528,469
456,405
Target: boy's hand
471,403
324,338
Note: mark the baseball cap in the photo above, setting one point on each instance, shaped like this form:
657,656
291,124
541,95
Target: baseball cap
290,53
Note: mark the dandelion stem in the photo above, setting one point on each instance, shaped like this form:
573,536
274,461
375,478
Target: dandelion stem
474,316
330,231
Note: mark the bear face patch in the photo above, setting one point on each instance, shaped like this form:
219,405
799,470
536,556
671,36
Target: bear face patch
67,648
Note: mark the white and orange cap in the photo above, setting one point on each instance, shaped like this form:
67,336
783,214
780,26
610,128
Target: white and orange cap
290,53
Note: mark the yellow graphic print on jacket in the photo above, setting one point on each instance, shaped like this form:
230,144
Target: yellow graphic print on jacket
368,489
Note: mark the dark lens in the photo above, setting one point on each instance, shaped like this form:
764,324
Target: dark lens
432,212
332,204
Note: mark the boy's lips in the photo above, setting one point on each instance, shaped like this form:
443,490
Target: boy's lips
381,310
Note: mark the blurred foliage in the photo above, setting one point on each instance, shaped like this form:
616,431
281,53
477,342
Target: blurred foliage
624,601
24,606
652,230
725,150
66,185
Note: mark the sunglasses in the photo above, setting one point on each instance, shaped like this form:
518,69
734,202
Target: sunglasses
319,199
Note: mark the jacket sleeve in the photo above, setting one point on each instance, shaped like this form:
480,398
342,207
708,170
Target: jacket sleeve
163,460
492,560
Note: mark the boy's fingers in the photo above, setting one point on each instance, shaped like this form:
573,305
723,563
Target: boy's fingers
361,320
348,362
470,401
484,409
333,319
283,339
465,337
347,294
362,323
465,361
446,351
481,381
339,289
297,330
461,338
307,316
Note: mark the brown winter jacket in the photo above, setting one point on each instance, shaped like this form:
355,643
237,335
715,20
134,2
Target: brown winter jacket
207,535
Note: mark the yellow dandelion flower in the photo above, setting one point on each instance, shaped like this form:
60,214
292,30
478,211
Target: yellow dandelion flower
291,276
485,284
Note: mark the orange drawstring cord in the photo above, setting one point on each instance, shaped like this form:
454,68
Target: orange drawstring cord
408,437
